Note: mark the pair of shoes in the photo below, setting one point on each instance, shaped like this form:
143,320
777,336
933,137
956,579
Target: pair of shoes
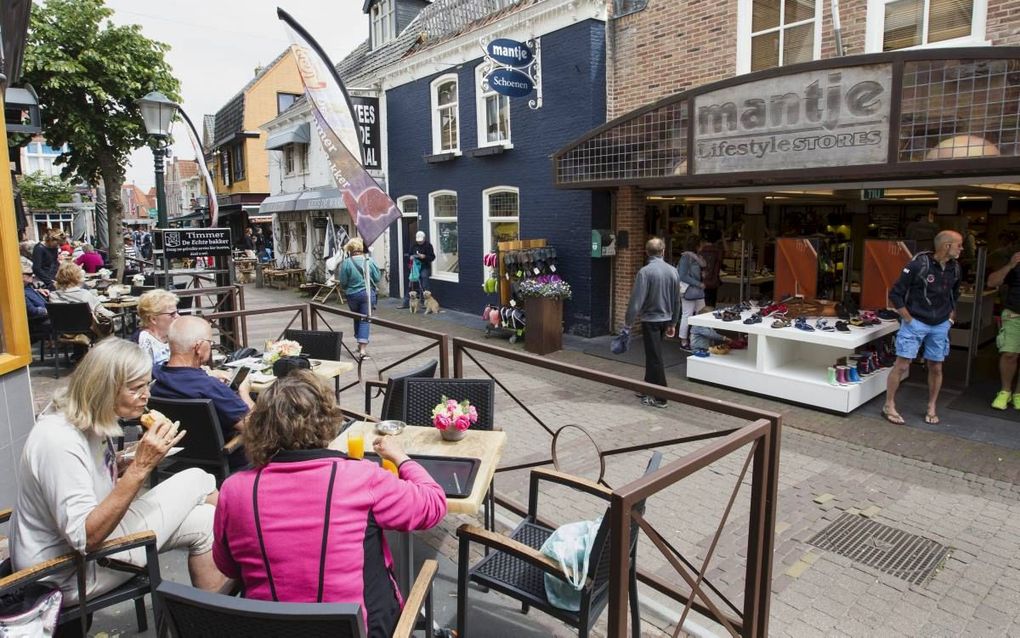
738,343
802,324
653,402
774,309
719,349
892,417
755,318
887,315
931,418
841,326
1001,401
823,326
701,352
781,322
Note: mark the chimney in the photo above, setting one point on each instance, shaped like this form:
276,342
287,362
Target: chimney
258,69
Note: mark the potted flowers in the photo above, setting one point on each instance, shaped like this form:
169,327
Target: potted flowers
282,348
453,419
543,305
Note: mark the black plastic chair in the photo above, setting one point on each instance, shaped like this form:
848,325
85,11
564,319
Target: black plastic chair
422,395
318,344
75,619
197,614
393,390
516,567
203,445
71,324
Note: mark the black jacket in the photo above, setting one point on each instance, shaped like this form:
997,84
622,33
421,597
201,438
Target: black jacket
425,249
927,289
44,263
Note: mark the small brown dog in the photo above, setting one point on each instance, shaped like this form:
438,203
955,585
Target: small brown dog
431,305
413,301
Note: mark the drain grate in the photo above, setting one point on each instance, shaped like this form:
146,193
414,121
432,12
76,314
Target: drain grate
908,556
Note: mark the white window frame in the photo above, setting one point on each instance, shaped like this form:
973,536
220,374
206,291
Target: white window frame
402,263
875,28
297,154
383,15
488,220
481,112
437,138
744,16
434,221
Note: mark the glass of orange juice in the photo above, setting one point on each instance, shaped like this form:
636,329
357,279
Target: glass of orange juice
355,445
390,466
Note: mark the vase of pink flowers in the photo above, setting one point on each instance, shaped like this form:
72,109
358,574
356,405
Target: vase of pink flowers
453,419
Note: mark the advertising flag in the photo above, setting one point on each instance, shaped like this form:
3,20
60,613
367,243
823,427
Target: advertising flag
371,209
210,188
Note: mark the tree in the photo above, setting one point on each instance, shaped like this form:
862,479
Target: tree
88,73
42,192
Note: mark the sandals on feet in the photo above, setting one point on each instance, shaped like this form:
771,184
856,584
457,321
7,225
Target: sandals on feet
931,419
893,418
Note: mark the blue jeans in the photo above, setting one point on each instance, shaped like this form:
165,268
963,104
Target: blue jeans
358,302
420,286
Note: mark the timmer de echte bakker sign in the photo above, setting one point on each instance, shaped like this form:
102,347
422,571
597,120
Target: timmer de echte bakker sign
833,117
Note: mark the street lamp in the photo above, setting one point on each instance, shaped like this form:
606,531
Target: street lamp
158,114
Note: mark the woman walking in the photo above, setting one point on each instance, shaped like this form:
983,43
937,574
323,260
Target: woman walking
691,270
352,280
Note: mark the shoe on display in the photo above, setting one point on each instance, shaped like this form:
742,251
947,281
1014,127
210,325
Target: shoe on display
852,375
832,376
738,343
841,326
802,324
701,352
1001,401
887,315
720,349
841,375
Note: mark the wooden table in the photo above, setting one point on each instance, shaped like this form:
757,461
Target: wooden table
326,369
478,444
121,307
484,445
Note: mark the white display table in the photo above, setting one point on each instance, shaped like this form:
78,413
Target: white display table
960,337
791,364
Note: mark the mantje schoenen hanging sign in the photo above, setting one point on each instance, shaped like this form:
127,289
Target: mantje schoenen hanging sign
832,117
512,58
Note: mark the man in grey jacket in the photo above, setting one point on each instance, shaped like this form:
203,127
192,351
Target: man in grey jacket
655,299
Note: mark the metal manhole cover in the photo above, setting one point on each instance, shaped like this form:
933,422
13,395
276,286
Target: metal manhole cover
908,556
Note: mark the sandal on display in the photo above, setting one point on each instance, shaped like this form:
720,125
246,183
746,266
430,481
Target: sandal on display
738,343
802,324
842,326
893,417
823,325
887,315
719,349
755,318
856,322
782,322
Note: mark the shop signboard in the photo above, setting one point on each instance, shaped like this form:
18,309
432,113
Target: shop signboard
872,193
510,82
366,117
510,52
831,117
193,242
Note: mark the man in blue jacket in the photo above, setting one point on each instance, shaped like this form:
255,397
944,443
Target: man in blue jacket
925,297
35,303
655,300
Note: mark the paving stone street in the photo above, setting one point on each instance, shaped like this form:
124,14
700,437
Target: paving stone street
959,493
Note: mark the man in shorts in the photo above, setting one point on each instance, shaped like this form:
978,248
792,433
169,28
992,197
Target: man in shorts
1009,334
925,296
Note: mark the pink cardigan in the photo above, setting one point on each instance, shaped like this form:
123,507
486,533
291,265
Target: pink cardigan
294,492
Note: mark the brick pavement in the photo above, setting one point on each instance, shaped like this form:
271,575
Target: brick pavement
956,492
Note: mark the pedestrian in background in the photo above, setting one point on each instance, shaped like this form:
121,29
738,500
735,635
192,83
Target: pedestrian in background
655,301
925,296
690,270
712,253
1008,340
359,293
421,254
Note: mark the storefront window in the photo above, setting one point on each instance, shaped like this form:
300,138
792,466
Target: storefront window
773,33
445,115
500,216
408,205
443,205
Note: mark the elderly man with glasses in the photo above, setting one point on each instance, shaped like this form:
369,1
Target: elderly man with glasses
182,377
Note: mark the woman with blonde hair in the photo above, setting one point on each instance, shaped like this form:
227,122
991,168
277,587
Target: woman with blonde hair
300,494
75,492
157,309
70,281
352,280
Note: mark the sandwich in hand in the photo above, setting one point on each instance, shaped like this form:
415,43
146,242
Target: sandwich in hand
153,418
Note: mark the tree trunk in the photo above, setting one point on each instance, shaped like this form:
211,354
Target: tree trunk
113,180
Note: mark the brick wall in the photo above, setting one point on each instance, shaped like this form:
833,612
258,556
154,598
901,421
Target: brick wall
630,218
1003,26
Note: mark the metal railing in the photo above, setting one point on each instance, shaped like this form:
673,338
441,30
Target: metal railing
763,461
233,325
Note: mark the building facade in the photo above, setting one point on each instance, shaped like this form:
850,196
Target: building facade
183,187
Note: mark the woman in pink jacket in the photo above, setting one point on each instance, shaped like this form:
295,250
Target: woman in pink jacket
305,524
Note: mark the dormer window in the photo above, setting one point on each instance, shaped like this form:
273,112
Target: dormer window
383,22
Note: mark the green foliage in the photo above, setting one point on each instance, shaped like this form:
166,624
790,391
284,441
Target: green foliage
88,73
41,192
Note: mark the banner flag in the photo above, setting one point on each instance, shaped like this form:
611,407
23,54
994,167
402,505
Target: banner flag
210,188
371,209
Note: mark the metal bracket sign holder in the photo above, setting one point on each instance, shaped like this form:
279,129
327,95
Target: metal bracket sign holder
532,69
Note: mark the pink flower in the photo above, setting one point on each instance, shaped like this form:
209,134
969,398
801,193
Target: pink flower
441,421
473,413
451,405
462,423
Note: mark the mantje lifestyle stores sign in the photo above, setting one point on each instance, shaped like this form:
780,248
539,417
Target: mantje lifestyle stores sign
832,117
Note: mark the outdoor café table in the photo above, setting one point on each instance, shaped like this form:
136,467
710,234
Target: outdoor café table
487,446
124,308
325,368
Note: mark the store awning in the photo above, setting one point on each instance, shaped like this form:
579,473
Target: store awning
278,203
300,134
322,199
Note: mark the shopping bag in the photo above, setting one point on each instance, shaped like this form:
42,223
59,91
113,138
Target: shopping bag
620,342
31,612
570,546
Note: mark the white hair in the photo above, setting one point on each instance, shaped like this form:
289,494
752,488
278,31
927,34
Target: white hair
185,332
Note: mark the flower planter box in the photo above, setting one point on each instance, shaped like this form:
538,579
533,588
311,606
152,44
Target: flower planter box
544,331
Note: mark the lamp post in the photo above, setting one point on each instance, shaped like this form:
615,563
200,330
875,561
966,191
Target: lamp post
158,114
